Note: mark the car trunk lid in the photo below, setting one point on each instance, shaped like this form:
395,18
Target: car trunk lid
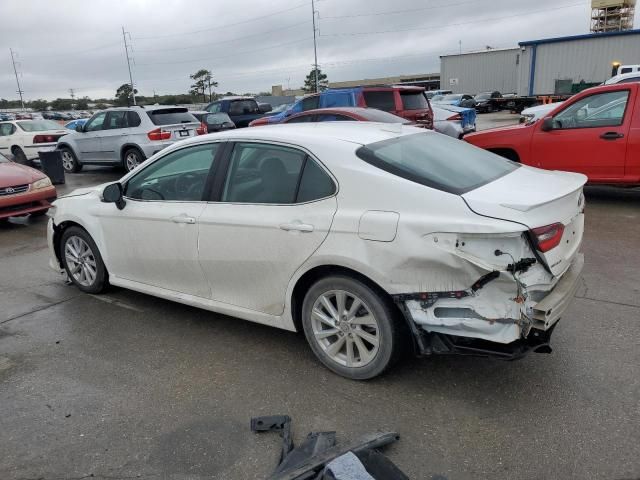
537,198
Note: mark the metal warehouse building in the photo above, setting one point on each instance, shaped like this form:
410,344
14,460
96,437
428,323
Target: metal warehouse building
538,67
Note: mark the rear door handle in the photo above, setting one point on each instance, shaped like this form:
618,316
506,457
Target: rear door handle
183,219
611,135
296,227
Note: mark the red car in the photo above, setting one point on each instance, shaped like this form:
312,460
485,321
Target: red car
596,132
357,114
23,190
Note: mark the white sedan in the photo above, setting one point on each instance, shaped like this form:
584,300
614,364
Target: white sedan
371,238
25,138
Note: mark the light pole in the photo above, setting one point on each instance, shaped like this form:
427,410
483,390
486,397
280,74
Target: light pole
315,48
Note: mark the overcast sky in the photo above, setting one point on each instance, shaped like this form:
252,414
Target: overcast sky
251,45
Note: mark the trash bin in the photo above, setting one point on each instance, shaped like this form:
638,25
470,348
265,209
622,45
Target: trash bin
51,163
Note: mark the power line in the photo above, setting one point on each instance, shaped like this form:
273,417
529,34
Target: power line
446,25
225,25
189,47
394,12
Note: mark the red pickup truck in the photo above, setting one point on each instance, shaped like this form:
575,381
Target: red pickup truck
596,132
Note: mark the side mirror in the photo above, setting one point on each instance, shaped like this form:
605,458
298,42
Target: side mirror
547,124
265,107
79,128
113,194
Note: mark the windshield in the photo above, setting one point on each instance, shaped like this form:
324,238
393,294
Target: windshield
39,125
437,161
449,98
483,96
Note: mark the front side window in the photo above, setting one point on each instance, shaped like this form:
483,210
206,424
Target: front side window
178,176
117,119
263,173
95,123
437,161
382,100
598,110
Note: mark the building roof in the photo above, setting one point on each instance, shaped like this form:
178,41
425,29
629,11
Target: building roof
473,52
579,37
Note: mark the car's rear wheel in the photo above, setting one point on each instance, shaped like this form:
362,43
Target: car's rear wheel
132,159
82,261
19,156
69,161
350,328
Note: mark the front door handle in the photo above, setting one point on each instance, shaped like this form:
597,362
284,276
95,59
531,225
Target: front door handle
183,219
611,135
296,227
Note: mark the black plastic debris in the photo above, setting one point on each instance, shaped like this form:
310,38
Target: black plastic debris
318,457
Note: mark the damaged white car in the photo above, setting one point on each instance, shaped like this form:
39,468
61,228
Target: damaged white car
371,238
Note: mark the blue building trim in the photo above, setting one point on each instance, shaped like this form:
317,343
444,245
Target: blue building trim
532,68
579,37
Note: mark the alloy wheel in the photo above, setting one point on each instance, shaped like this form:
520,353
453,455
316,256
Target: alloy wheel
345,328
68,161
80,260
132,160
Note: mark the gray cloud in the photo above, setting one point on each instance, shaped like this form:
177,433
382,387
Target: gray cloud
78,44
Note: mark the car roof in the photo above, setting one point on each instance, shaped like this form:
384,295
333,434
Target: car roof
622,76
235,97
320,133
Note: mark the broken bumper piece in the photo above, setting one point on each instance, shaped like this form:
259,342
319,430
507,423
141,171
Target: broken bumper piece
453,324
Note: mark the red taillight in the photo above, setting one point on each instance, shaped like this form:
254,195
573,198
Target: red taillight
455,117
548,237
45,138
159,134
202,129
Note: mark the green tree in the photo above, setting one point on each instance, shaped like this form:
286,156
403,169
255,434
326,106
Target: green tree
39,104
124,96
310,81
203,83
100,106
62,104
82,103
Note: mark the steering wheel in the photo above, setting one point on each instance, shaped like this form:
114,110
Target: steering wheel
186,184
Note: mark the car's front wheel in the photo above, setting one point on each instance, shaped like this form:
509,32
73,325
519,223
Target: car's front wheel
82,260
351,328
69,161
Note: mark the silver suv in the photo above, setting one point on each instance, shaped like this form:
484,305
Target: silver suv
126,136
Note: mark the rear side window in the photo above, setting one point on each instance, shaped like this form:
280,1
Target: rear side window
171,116
315,183
310,103
243,107
437,161
330,117
626,70
414,101
300,119
134,119
382,100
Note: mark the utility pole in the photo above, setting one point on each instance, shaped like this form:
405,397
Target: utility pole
20,92
315,48
126,51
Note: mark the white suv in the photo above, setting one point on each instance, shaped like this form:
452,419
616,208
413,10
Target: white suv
126,136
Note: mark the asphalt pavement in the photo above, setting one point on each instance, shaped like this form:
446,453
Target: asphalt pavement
124,385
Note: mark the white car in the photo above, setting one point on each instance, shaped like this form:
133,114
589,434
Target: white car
531,114
371,238
25,138
449,122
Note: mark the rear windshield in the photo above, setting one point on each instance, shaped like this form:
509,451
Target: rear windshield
171,116
374,115
437,161
414,100
39,125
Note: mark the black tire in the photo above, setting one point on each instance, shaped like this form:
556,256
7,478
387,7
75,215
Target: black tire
101,281
390,332
19,156
132,158
70,162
